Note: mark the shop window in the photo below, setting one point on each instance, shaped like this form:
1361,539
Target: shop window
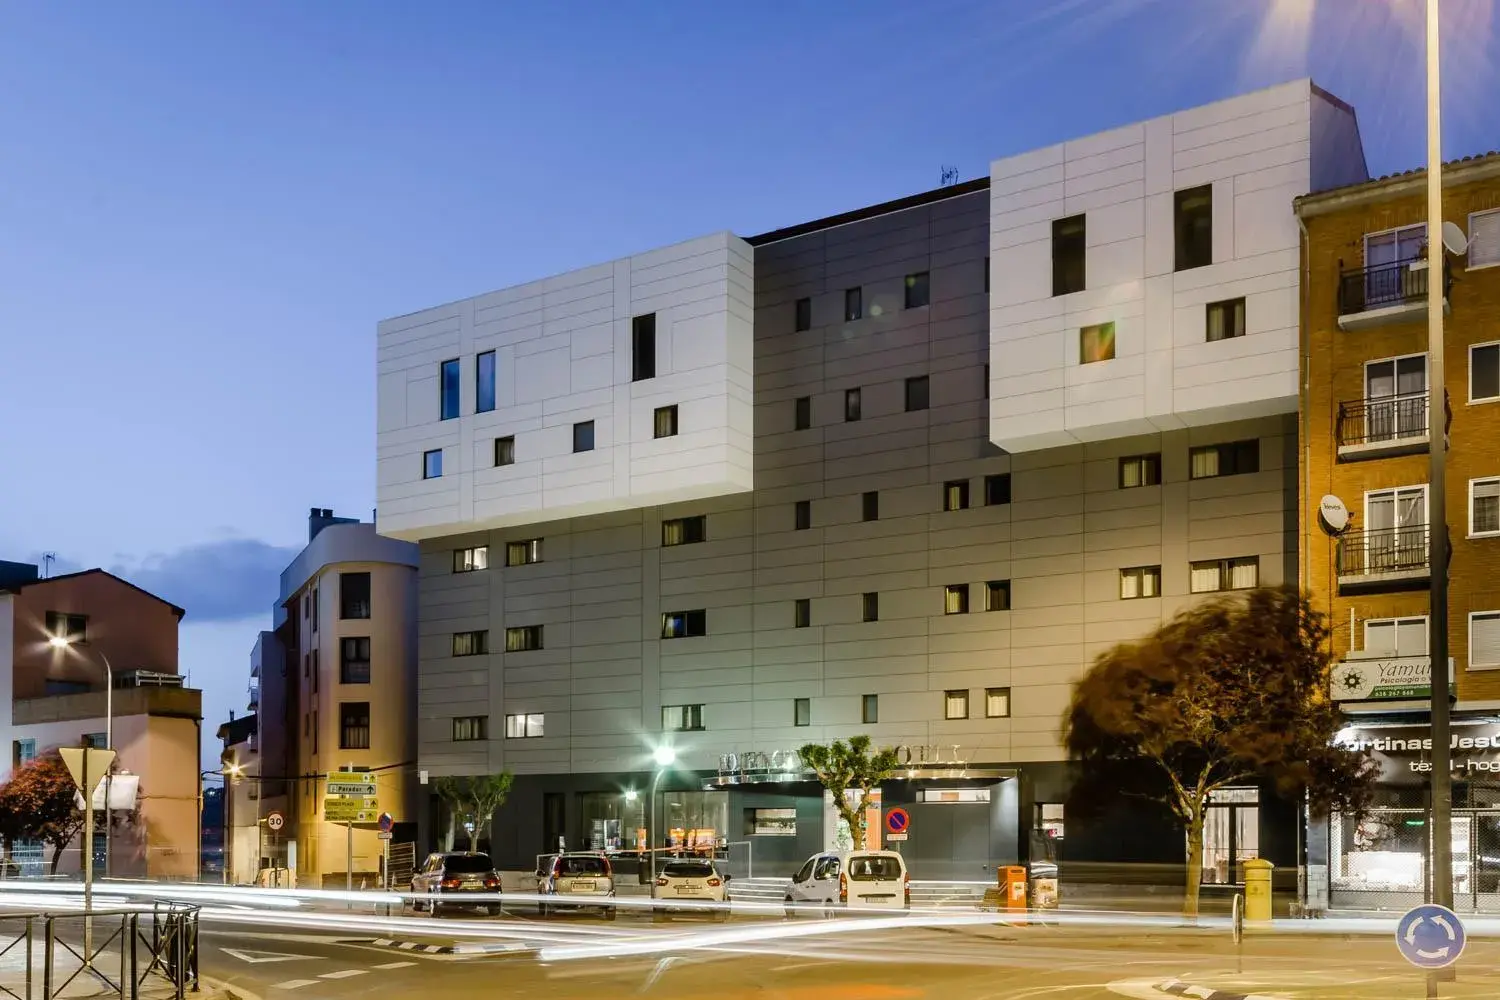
613,821
770,822
694,822
1231,833
953,795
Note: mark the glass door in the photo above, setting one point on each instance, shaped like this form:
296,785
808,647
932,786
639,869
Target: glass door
1396,398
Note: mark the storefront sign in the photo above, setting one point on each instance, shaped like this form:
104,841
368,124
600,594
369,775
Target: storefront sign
754,766
1475,748
1395,678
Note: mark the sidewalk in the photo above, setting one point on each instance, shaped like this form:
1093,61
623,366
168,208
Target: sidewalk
68,979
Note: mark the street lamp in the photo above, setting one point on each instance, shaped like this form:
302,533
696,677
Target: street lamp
664,757
66,642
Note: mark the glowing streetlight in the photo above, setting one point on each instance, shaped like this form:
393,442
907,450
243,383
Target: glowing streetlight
67,642
665,757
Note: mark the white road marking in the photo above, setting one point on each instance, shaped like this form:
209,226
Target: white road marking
395,965
292,984
343,974
262,957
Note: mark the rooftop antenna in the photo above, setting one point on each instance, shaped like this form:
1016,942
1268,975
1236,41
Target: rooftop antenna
48,558
950,176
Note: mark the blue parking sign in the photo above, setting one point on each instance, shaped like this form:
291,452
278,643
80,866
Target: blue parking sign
1430,936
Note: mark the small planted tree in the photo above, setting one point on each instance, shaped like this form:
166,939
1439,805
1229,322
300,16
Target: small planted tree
40,798
1229,691
472,801
851,772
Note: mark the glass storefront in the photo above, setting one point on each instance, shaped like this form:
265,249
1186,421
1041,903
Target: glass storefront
694,822
1231,834
612,821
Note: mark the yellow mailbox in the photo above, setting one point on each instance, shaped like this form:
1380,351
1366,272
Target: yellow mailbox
1257,890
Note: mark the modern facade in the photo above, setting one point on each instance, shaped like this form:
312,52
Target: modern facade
996,428
1367,436
56,695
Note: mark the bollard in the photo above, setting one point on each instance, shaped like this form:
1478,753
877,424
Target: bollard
1257,890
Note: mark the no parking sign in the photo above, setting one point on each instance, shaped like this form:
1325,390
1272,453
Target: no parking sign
897,823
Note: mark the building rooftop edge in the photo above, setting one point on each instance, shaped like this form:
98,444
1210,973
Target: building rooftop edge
1460,171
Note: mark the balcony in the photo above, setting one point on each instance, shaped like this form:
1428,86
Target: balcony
1387,425
1383,558
1385,294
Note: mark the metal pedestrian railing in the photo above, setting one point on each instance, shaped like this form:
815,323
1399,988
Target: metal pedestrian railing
129,954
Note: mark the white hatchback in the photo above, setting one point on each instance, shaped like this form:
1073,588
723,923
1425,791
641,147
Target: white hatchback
699,884
856,879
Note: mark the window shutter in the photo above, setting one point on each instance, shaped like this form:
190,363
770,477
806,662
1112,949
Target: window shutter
1484,238
1411,637
1484,639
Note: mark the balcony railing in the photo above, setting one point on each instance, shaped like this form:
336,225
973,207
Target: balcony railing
1384,420
1384,552
1399,288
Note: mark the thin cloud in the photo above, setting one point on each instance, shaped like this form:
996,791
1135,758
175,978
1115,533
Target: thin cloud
224,580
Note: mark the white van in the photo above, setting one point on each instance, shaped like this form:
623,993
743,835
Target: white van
862,880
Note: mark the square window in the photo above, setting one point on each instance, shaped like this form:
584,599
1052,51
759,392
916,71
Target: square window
1226,320
1484,238
803,417
997,595
871,607
684,624
851,405
870,506
665,421
448,375
802,518
643,347
484,382
870,709
916,393
956,599
471,559
956,494
854,307
997,703
505,451
803,310
684,530
354,660
997,489
354,725
525,727
682,718
1484,372
1068,255
1484,506
802,612
1096,343
918,290
432,464
1237,458
955,704
1140,581
1140,470
1396,636
1484,639
583,436
523,552
523,639
1193,227
801,711
470,728
474,643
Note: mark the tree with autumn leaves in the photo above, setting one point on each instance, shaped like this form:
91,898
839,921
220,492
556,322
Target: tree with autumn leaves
39,803
1231,691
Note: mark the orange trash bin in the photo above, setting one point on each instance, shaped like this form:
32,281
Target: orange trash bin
1013,881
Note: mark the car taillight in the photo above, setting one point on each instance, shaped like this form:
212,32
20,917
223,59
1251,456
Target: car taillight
843,888
906,884
715,882
661,881
452,883
492,883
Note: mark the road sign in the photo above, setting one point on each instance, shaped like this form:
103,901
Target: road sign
98,766
386,822
897,820
1430,936
384,835
275,821
350,810
897,837
351,783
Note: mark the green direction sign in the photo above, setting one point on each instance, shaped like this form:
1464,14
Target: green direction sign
351,810
351,784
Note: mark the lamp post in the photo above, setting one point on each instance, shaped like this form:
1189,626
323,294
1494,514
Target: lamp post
664,758
66,642
232,772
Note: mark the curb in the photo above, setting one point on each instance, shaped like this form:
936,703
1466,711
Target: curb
458,948
1178,988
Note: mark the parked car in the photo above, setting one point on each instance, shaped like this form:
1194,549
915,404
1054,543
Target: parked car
583,877
453,875
692,880
857,879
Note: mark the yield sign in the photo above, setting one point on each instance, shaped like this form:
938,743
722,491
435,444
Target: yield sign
98,762
262,957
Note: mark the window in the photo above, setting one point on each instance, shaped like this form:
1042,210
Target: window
524,727
1484,238
1484,506
1140,581
803,419
95,740
997,595
1140,470
918,290
986,276
871,607
802,612
317,671
432,464
997,489
523,638
684,530
354,659
1237,458
780,822
916,393
471,559
505,451
354,595
955,704
1096,343
801,711
74,628
524,552
1484,639
803,310
956,494
851,405
1193,226
1396,636
23,752
665,421
448,389
1067,255
475,643
354,725
469,728
1395,524
1484,372
316,614
956,599
583,436
870,506
643,347
682,624
1224,574
802,515
681,718
854,307
870,709
484,382
1226,319
997,703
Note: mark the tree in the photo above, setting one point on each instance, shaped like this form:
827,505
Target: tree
472,801
1230,690
40,800
850,767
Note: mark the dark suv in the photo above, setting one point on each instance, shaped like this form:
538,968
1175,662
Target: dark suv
452,876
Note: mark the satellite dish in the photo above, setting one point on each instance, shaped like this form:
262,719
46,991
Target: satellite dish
1454,240
1333,515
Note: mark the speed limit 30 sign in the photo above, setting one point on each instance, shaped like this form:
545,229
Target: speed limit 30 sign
275,821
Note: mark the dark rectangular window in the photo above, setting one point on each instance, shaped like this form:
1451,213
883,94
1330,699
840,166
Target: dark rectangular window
684,624
1096,343
871,607
801,712
1193,226
643,347
484,382
870,506
802,518
448,389
1236,458
851,404
1068,255
505,451
432,464
475,643
997,489
682,718
802,612
354,725
684,530
870,709
583,436
523,638
997,595
73,628
354,595
803,311
523,552
803,417
469,728
1226,319
916,393
664,422
918,290
956,494
956,599
986,276
1140,470
854,304
354,660
1484,372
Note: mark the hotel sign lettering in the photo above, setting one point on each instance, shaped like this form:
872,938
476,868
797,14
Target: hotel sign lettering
772,765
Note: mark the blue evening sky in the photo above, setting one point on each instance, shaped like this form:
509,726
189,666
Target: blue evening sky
206,207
